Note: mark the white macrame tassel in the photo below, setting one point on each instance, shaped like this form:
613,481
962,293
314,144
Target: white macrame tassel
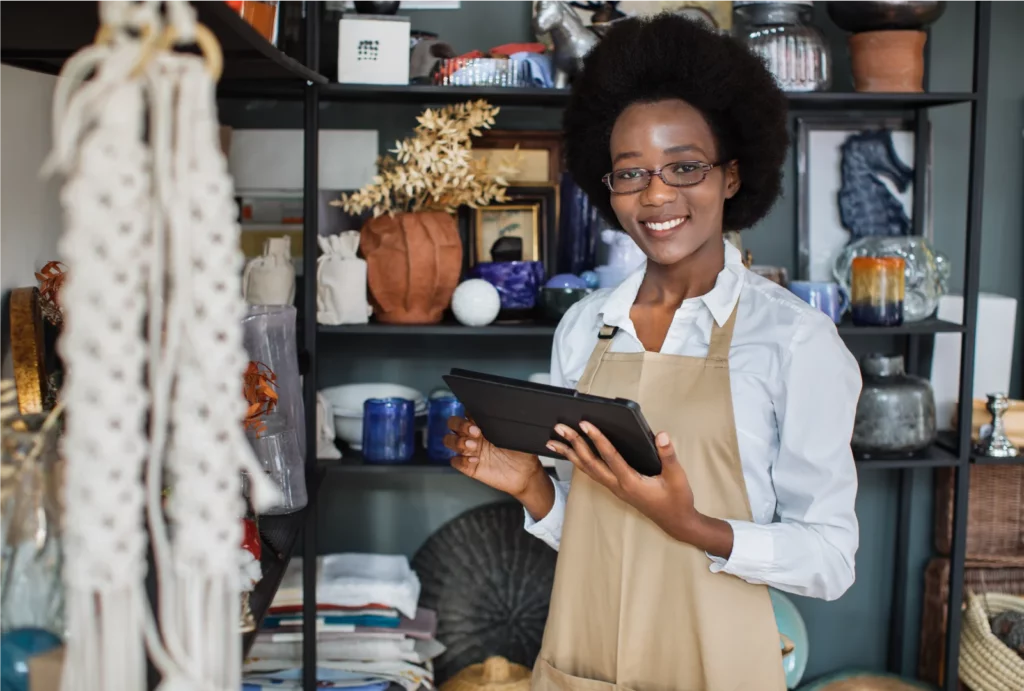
208,447
106,201
150,230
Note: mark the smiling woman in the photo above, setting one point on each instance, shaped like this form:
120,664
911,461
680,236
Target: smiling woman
679,134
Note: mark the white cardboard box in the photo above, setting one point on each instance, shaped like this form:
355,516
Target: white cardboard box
993,353
373,49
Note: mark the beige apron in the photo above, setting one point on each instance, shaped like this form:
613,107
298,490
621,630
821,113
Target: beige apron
633,608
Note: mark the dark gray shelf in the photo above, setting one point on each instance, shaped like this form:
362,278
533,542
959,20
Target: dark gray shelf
923,327
531,96
547,329
40,36
446,328
353,462
989,460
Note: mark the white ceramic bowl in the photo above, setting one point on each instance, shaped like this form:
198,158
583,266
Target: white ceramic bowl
347,405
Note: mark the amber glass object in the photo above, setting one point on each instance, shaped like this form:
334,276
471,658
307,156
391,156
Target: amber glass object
877,291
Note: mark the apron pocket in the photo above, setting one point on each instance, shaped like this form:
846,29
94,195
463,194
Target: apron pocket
547,678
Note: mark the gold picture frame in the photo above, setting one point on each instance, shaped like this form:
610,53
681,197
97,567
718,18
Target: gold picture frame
507,220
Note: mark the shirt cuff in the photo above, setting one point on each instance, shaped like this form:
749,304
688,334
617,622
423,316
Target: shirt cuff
549,528
753,552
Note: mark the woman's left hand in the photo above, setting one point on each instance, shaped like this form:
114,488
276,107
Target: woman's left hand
665,498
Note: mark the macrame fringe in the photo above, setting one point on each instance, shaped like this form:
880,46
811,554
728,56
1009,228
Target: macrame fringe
150,230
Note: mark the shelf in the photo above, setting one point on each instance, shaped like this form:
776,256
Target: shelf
425,94
547,329
934,457
278,535
353,462
444,328
925,326
989,460
417,94
874,101
40,36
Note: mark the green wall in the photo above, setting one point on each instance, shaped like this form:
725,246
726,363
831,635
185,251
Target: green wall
395,512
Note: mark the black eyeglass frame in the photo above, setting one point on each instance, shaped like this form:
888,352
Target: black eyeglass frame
706,167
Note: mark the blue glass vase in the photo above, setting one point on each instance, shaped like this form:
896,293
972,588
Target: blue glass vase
389,430
440,410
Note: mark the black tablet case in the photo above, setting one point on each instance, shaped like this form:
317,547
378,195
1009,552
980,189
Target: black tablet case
521,416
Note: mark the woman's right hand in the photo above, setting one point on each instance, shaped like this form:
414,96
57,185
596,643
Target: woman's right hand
513,472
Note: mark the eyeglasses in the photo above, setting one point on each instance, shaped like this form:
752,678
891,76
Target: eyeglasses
678,174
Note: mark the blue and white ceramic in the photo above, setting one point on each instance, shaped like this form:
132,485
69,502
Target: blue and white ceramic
792,633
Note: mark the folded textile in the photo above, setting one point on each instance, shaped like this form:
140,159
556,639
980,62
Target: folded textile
407,675
273,621
355,580
344,650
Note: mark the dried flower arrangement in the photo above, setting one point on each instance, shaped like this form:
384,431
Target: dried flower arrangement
434,170
51,279
258,385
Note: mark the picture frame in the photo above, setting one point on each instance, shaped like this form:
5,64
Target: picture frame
541,241
540,154
821,233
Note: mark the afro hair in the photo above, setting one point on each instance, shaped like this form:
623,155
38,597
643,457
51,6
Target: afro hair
670,57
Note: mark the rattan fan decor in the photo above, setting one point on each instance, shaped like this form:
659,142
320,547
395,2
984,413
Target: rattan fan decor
490,583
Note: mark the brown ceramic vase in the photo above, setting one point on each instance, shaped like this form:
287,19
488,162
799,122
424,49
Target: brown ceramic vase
888,61
413,262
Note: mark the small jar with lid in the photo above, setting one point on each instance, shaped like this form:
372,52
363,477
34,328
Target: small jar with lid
782,34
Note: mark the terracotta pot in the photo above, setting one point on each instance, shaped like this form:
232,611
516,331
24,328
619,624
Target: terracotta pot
413,262
888,61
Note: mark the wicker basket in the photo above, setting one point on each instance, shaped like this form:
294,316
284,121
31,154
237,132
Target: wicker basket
995,515
986,663
979,577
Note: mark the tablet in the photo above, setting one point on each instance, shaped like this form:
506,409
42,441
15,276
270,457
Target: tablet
521,416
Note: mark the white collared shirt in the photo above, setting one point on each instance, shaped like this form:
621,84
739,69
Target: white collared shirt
795,387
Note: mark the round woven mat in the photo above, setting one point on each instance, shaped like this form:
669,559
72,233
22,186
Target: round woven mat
490,583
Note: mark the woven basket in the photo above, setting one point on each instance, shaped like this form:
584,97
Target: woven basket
986,663
995,514
979,577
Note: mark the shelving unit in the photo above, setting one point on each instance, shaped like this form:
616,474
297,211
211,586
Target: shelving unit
40,36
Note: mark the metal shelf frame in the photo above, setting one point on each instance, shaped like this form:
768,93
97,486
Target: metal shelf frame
254,68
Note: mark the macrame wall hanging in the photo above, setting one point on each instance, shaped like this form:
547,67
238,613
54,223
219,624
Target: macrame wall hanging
152,346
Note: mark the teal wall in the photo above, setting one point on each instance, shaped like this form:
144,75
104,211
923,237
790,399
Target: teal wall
395,512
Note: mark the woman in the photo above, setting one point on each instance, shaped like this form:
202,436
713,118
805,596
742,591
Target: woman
661,582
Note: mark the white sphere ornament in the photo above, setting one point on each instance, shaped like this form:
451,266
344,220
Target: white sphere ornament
476,302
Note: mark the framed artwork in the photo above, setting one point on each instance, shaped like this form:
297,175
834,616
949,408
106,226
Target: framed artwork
531,215
855,178
417,5
539,157
717,13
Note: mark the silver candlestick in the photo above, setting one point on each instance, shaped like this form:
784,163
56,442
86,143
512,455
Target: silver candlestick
996,444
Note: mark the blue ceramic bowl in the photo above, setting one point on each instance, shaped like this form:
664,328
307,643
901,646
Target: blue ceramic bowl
517,282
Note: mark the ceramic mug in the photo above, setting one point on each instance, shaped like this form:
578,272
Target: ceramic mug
828,297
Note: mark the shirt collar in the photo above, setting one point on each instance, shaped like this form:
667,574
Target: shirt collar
720,300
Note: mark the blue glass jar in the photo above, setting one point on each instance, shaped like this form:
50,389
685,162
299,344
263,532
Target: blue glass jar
389,430
440,409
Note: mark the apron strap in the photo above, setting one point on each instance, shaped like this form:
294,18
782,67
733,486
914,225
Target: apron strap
721,337
604,342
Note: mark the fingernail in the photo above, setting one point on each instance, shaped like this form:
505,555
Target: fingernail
585,427
663,439
474,430
561,430
470,444
473,459
551,447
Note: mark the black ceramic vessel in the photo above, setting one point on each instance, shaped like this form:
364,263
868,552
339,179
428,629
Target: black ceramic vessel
377,6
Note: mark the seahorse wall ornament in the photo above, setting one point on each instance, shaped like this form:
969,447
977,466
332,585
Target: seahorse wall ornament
866,204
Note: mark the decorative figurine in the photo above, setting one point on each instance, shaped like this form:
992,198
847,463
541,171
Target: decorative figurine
996,444
572,40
